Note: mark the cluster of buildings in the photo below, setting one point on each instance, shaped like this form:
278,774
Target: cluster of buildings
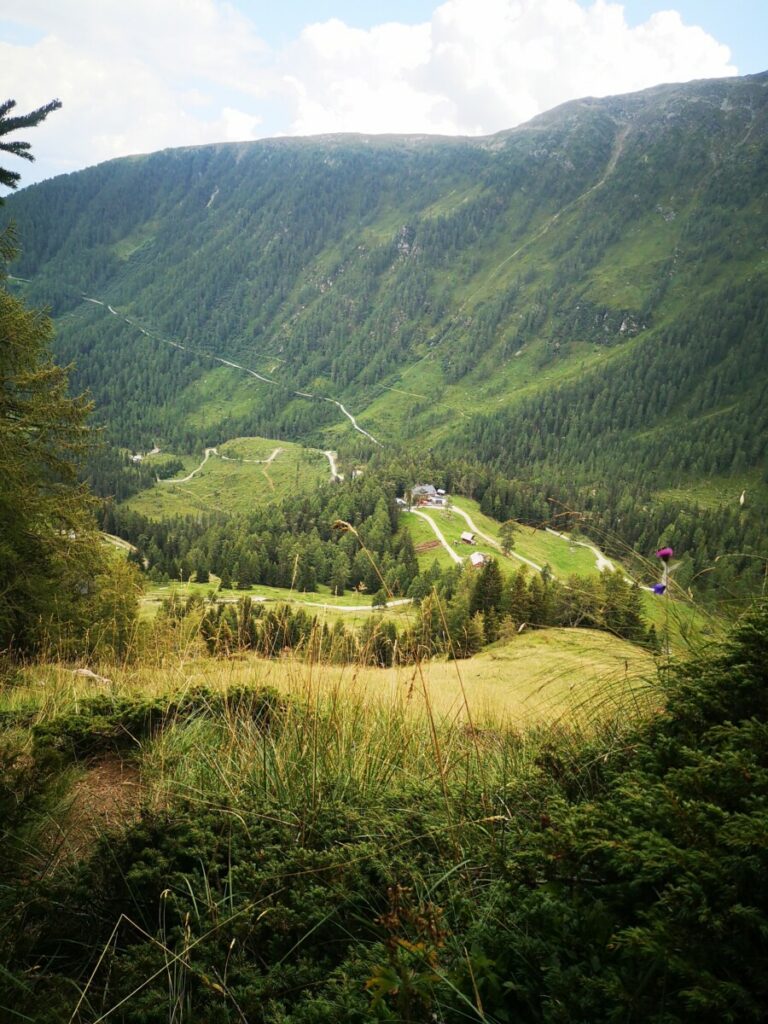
428,496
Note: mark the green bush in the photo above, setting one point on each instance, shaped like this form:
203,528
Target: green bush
103,723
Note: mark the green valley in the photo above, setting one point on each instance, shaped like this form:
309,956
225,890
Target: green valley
577,303
395,646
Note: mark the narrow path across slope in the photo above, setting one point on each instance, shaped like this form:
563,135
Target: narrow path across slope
352,607
332,457
227,458
602,563
244,369
399,602
124,545
252,462
351,419
118,542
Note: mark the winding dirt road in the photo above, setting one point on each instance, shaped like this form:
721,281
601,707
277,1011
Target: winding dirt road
492,540
252,462
438,533
352,607
188,477
226,458
332,457
603,564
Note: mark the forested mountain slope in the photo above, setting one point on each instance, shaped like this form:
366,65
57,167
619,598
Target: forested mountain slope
580,298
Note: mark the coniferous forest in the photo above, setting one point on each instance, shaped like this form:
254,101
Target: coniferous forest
577,305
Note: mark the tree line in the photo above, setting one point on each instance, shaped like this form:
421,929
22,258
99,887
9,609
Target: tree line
457,612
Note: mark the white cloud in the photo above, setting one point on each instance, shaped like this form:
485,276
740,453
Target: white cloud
149,74
484,65
347,79
238,126
135,77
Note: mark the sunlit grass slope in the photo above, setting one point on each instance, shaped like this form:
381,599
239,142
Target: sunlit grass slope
543,676
563,555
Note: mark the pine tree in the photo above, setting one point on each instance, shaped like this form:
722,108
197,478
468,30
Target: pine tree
56,580
202,574
507,536
540,601
11,124
517,601
487,592
49,552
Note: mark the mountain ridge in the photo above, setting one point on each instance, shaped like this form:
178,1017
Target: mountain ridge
470,270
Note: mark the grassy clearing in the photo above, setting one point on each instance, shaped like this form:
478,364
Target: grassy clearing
551,675
562,556
686,624
351,608
220,394
428,549
230,483
127,246
716,491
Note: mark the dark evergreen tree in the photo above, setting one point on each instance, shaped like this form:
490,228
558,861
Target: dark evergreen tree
9,124
488,589
54,572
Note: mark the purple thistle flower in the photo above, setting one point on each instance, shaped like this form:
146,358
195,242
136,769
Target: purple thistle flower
659,588
665,554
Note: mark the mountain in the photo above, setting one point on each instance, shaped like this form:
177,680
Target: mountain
581,301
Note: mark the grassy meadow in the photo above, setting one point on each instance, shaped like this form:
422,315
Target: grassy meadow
685,622
537,678
351,608
677,615
235,479
564,556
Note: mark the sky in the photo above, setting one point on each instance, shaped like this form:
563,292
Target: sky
140,75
